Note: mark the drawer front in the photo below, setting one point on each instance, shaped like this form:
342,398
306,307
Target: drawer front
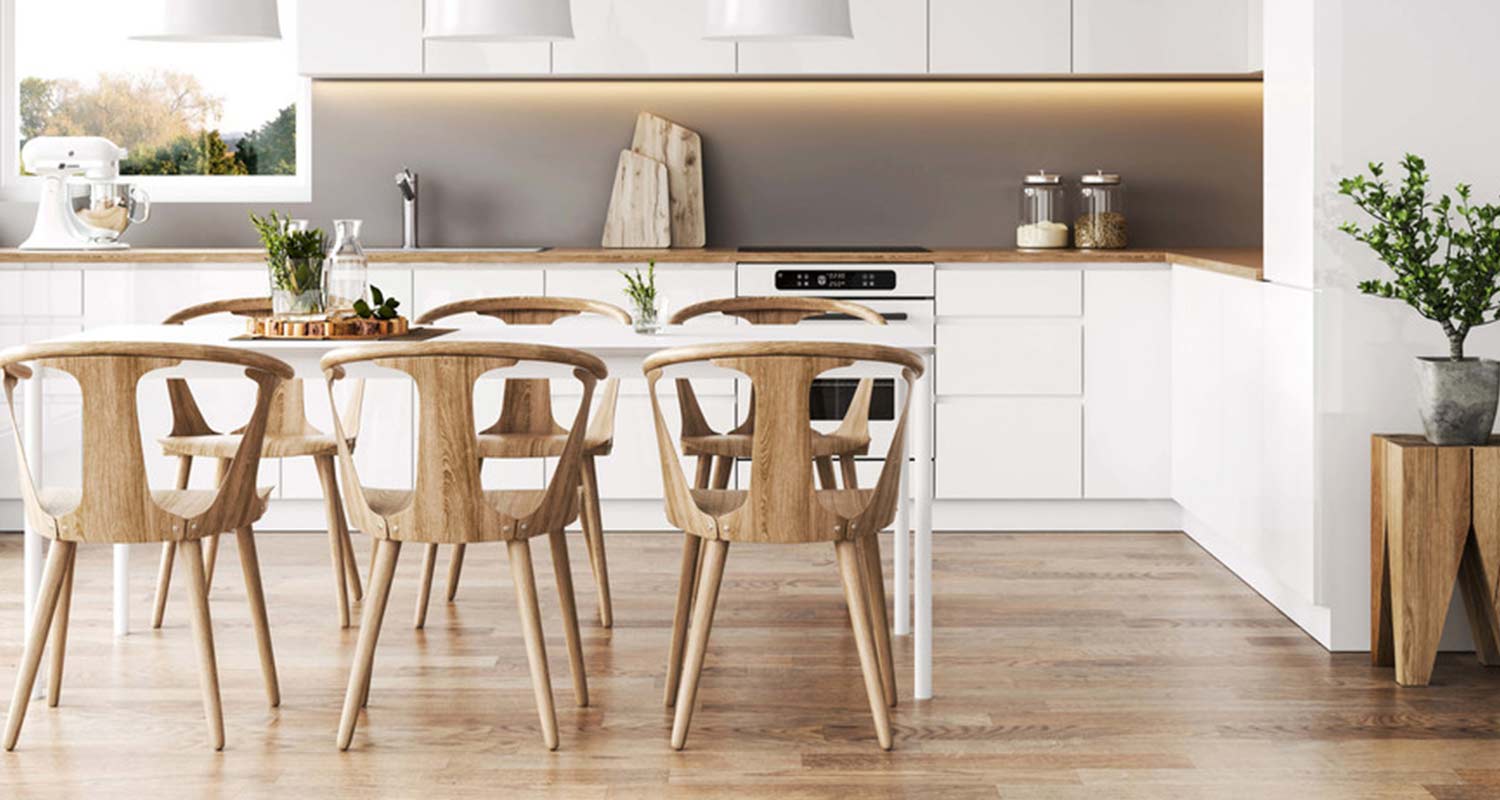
1034,292
1006,448
1010,357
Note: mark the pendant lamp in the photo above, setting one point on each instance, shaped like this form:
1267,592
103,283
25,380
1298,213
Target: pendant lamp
498,20
777,20
215,21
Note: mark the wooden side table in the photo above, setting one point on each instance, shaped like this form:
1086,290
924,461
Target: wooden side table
1434,518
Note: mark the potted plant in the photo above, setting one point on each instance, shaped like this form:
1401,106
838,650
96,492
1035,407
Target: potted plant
294,260
1446,260
645,304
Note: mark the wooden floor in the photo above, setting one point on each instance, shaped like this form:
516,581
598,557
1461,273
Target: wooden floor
1068,666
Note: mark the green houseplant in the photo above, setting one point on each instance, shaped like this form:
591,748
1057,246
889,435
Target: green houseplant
645,303
1445,258
294,261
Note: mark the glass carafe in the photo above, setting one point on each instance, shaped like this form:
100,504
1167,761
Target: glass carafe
346,277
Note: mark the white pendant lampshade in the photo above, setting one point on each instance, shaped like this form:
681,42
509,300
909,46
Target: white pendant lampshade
785,20
214,21
499,20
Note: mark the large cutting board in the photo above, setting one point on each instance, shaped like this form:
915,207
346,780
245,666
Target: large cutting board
640,208
682,151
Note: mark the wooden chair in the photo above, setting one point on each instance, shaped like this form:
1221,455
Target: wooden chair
850,439
783,505
116,505
449,505
526,429
288,435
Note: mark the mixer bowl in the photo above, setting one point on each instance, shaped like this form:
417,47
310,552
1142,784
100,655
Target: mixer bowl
104,209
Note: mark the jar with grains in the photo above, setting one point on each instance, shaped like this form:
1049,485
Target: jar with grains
1101,221
1043,216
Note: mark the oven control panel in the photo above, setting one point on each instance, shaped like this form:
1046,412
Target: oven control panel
843,280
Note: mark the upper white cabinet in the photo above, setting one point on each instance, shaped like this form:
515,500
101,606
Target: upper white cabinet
640,37
359,37
487,58
1001,37
890,37
1165,36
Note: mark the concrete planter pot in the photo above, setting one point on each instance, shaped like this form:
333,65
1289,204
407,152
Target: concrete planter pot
1457,399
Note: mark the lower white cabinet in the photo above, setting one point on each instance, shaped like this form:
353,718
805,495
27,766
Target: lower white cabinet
1000,448
433,286
1127,420
991,355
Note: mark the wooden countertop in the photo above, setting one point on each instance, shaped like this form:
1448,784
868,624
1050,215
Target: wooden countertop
1244,263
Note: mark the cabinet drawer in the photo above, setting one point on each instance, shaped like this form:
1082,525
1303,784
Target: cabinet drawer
1009,448
978,292
1010,356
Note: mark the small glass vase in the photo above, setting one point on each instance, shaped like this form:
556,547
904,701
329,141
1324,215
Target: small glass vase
297,289
647,318
346,277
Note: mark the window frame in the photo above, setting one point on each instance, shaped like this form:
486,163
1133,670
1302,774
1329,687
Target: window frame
162,188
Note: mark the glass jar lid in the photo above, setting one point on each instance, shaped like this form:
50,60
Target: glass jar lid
1043,178
1100,178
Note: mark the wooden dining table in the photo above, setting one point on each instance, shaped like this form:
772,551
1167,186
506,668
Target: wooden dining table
623,352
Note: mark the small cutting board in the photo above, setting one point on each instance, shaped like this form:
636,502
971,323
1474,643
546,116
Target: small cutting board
682,151
640,208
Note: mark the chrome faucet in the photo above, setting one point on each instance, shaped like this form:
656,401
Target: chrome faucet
406,181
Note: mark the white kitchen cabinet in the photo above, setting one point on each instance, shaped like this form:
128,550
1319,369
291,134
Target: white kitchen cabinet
465,59
997,448
1164,36
1046,290
1127,420
1001,37
890,37
41,302
640,37
359,37
433,286
1001,356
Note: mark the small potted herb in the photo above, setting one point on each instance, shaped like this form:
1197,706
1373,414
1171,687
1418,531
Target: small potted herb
1445,255
645,303
294,261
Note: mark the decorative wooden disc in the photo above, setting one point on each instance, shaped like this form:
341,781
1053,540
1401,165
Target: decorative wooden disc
335,328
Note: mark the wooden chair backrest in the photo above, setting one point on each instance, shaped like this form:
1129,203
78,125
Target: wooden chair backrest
447,503
526,407
783,504
788,310
288,409
116,504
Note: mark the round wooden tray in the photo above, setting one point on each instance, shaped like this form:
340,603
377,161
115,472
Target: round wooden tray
335,328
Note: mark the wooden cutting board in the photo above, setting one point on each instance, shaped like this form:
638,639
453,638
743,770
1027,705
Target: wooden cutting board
639,209
682,151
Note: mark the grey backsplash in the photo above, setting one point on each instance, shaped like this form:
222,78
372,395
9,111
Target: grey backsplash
932,163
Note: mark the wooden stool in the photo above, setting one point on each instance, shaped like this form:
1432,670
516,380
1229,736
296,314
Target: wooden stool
1434,518
449,505
115,504
525,429
288,435
783,504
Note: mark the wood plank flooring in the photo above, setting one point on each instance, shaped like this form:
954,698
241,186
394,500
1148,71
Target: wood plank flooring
1068,666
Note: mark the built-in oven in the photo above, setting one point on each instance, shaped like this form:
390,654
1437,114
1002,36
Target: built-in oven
902,293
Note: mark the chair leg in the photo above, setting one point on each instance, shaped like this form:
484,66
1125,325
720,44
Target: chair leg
594,530
723,469
255,592
686,581
703,620
58,557
60,634
203,632
531,624
868,548
851,476
826,478
335,516
351,567
169,551
562,568
455,569
852,573
386,553
424,591
210,560
705,472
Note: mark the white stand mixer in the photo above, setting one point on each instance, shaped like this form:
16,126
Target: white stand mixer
84,205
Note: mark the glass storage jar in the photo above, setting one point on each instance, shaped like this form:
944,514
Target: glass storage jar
1043,216
346,278
1101,219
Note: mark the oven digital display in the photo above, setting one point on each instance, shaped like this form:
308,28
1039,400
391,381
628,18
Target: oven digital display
820,280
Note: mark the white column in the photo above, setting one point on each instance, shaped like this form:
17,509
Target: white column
922,508
901,553
32,420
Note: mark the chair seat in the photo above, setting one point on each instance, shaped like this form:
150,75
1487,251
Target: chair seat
738,445
183,503
514,503
846,503
535,445
224,445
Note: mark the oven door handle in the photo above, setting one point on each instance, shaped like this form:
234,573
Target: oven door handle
889,316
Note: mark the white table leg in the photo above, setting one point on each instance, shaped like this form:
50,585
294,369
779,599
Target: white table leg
34,544
122,589
922,508
901,553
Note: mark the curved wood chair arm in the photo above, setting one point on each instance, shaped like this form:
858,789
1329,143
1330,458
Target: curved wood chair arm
165,350
602,426
240,307
20,371
38,521
335,360
527,310
788,310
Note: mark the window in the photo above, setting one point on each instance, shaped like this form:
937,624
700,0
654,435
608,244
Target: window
202,122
